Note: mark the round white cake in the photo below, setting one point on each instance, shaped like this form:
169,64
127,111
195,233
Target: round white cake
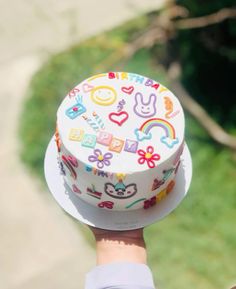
120,137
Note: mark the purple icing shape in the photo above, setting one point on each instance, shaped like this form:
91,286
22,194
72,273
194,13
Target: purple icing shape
131,146
145,109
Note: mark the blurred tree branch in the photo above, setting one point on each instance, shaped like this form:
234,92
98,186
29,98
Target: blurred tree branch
162,29
198,112
207,20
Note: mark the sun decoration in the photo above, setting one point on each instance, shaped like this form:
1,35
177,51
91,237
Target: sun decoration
148,157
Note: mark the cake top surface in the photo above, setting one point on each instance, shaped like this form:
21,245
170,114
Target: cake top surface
121,122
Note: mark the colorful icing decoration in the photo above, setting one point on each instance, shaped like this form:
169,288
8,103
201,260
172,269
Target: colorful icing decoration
106,204
140,135
127,90
131,146
161,195
157,184
120,190
96,76
76,189
170,186
98,172
167,173
120,105
75,110
100,158
73,161
169,108
120,176
102,173
57,140
94,193
169,139
103,95
174,113
104,138
118,117
149,203
162,88
148,157
88,168
69,166
91,122
99,120
74,92
76,134
169,142
61,168
121,75
116,145
145,109
87,87
150,82
89,140
134,78
134,203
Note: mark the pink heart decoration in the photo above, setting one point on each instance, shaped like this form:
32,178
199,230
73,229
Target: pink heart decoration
73,92
87,87
118,117
127,90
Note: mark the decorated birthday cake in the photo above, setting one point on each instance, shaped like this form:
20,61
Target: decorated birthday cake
120,137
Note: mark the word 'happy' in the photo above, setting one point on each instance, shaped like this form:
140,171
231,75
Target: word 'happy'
103,138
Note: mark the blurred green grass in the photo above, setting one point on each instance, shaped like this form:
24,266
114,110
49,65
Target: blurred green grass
196,245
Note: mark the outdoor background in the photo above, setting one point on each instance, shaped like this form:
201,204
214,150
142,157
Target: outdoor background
47,47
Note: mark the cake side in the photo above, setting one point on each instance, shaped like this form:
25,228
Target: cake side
118,191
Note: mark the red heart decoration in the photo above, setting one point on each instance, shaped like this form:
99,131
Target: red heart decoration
127,90
118,117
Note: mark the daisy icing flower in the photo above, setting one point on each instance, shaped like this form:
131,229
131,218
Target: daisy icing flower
100,158
148,157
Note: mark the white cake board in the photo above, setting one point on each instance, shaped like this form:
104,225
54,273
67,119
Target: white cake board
114,220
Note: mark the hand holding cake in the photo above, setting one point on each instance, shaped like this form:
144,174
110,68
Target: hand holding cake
120,144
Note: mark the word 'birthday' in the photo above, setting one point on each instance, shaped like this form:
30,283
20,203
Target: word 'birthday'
133,77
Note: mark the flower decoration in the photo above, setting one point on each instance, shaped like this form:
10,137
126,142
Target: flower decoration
148,157
100,158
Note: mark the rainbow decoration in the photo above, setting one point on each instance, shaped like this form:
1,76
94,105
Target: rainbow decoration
169,138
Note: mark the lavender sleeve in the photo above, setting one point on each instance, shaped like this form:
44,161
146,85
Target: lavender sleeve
120,276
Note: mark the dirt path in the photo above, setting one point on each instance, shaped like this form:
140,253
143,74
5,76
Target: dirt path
40,246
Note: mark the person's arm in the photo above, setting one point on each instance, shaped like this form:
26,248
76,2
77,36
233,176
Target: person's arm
121,261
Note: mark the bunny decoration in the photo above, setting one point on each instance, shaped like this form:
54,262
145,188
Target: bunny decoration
145,109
